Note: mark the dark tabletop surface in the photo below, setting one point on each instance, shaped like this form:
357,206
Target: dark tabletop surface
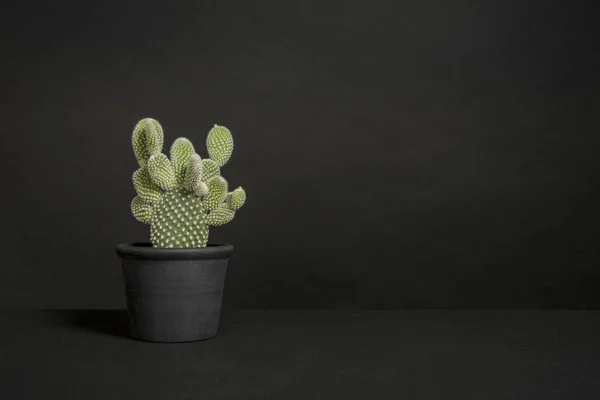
87,354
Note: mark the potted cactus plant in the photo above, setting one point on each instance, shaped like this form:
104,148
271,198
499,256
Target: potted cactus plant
174,283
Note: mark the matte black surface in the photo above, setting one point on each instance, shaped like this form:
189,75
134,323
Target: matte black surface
145,251
303,355
174,295
396,154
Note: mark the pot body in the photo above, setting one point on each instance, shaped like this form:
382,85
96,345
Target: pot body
174,295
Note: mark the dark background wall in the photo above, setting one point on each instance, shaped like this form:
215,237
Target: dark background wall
400,154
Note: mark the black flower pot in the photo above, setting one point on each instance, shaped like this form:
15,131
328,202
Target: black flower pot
173,295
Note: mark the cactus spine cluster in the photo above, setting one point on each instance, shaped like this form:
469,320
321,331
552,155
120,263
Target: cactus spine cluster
182,196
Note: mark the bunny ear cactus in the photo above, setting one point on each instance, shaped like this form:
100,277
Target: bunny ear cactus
183,196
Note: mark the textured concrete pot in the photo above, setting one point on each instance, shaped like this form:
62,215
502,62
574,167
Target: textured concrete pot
173,295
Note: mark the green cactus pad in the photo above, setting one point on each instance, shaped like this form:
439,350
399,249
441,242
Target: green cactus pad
217,190
219,144
161,171
147,139
144,186
142,210
201,190
209,169
182,196
181,151
193,173
179,221
221,215
236,199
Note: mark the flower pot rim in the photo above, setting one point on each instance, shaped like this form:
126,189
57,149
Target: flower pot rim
145,251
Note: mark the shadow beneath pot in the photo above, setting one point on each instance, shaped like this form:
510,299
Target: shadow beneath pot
108,322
